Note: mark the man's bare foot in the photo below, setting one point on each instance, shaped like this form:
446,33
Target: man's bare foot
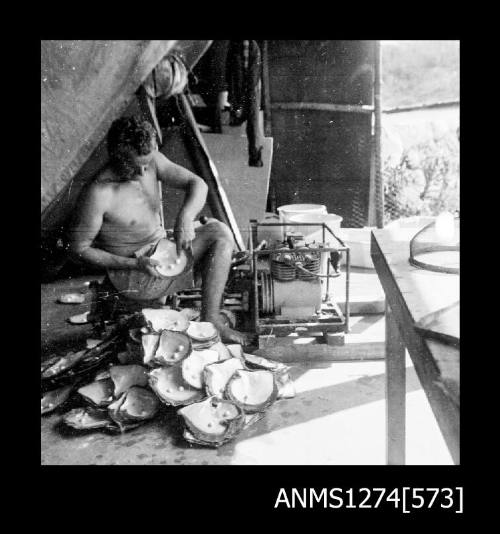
228,335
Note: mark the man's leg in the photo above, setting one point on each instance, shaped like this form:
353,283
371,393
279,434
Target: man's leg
213,246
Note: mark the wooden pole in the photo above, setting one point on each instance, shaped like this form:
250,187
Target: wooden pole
379,179
266,89
321,106
395,380
217,198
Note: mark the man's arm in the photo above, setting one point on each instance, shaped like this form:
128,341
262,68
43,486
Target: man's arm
196,194
86,225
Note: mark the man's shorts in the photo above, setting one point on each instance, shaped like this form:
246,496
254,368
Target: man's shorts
129,290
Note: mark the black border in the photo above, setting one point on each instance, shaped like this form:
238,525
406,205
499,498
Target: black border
253,487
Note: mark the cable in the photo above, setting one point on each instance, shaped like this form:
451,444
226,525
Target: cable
298,266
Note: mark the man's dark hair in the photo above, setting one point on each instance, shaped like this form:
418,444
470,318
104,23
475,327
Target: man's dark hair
127,134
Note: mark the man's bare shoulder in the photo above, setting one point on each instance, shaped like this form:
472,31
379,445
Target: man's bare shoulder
104,179
161,161
100,190
164,168
172,173
160,156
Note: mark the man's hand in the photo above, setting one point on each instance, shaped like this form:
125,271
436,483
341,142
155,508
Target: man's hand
147,265
183,232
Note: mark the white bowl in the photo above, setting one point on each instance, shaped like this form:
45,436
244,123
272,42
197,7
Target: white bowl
315,233
287,211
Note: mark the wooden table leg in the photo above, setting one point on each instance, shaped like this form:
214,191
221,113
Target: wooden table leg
395,391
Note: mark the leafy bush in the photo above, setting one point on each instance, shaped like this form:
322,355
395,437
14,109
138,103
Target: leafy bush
425,181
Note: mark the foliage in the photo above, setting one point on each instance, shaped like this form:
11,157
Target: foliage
425,181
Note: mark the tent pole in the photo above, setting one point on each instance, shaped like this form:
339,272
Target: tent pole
266,96
217,198
379,179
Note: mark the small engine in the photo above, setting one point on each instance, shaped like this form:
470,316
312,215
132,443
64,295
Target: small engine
291,283
283,287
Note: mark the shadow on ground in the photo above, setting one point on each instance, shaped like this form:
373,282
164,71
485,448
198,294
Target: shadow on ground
160,441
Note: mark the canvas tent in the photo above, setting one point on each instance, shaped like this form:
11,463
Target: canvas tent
85,85
321,102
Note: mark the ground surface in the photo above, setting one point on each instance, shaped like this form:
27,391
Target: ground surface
336,417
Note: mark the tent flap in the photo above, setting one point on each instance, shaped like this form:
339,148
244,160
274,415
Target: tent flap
85,85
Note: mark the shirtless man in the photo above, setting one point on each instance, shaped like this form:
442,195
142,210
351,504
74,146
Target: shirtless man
119,213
